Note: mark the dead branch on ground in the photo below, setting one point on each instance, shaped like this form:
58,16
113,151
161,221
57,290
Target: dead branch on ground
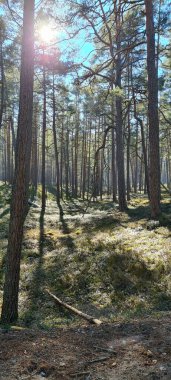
85,316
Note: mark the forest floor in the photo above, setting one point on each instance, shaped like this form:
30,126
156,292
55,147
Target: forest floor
114,266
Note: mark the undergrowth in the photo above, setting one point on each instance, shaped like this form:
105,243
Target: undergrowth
102,261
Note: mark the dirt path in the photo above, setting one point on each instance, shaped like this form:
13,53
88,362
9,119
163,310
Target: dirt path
135,350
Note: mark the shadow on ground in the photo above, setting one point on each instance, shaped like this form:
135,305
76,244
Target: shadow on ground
35,294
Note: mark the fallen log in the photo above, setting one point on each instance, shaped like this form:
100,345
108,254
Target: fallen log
85,316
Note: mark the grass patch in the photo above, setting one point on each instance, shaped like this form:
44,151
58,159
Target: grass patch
104,262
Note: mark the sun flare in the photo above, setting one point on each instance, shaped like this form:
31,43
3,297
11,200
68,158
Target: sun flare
46,33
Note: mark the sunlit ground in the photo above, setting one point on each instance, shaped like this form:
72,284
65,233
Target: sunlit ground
107,263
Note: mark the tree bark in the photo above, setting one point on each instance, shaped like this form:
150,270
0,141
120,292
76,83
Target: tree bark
154,166
2,84
119,123
55,144
114,175
34,158
44,142
143,146
21,179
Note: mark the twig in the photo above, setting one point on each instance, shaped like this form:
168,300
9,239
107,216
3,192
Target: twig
97,360
79,374
105,350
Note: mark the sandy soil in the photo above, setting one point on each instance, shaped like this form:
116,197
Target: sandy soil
119,351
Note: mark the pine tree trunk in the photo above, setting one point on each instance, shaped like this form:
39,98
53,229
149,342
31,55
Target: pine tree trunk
114,179
21,181
34,160
67,162
55,144
119,122
8,153
61,162
89,161
153,112
2,84
43,181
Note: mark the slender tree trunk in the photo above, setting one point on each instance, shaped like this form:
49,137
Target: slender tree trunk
120,156
34,160
61,162
44,142
169,158
119,123
140,174
128,133
76,160
128,161
8,152
67,161
13,133
2,83
95,167
55,144
108,168
101,174
82,164
21,179
143,146
114,177
153,113
85,165
136,160
72,163
89,160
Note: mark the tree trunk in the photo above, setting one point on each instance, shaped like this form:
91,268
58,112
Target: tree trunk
22,166
119,126
55,145
114,179
8,152
143,146
76,160
2,84
154,167
89,160
44,142
61,162
34,160
67,160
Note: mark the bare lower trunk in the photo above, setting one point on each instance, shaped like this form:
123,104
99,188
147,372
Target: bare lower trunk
153,113
43,143
21,181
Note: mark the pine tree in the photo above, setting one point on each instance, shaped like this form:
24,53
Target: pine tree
22,169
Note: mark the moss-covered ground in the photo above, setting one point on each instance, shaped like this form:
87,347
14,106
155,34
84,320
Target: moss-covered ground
109,264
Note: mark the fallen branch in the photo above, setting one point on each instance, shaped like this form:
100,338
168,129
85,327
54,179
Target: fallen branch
97,360
85,316
164,187
109,350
